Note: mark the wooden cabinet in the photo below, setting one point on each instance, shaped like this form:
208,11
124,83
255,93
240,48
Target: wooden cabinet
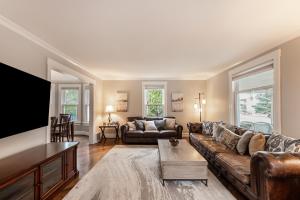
39,172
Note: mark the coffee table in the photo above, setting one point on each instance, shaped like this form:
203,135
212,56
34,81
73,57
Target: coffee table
182,162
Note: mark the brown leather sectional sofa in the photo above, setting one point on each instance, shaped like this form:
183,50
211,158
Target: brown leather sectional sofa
148,137
265,175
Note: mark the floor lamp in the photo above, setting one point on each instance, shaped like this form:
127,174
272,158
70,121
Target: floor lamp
199,105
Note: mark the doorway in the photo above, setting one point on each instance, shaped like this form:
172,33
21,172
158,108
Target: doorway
72,93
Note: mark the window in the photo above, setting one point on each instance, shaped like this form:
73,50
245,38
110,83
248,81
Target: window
86,104
154,99
70,101
254,100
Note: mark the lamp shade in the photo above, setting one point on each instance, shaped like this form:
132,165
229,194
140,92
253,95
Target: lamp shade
203,101
109,109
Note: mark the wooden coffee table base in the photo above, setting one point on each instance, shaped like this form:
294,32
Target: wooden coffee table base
204,181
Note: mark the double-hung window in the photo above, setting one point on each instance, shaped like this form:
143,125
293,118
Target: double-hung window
71,101
154,99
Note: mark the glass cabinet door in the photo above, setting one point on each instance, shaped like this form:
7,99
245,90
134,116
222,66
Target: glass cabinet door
51,174
24,189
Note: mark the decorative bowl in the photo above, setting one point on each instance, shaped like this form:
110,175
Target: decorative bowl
174,142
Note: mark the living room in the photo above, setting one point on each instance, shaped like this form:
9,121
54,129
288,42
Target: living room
149,100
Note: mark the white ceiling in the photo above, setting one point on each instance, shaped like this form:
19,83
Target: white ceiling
157,39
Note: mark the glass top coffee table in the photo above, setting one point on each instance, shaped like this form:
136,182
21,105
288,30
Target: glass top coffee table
182,162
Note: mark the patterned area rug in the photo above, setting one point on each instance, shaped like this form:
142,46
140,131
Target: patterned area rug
133,173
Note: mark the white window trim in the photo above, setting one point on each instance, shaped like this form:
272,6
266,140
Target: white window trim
158,83
270,58
63,86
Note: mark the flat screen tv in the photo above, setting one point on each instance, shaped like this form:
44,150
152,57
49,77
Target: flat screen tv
24,101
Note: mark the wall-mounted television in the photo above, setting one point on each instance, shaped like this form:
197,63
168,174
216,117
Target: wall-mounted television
24,101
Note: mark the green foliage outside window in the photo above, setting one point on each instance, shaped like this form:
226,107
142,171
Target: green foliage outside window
264,105
154,102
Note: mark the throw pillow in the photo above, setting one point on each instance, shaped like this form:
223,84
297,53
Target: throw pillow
150,126
293,146
160,124
277,142
230,127
230,139
132,126
257,143
140,125
195,127
243,143
170,123
217,132
207,128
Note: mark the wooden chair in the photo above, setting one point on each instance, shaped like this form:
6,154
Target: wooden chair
64,127
54,131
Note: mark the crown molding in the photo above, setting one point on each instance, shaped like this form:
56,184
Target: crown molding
35,39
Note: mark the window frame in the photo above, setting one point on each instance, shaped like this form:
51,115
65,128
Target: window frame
62,87
160,84
272,58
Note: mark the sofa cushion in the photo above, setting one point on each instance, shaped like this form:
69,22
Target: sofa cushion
257,143
131,126
200,136
207,127
160,124
151,133
150,126
170,123
230,139
195,127
167,133
277,143
243,144
140,125
293,146
219,128
214,147
237,165
136,133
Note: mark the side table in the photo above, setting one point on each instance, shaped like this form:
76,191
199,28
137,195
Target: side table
113,126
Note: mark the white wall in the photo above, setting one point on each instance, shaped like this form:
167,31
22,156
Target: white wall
218,95
25,55
190,90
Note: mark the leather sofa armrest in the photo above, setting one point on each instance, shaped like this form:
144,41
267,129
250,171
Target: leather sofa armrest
124,130
194,127
179,129
275,175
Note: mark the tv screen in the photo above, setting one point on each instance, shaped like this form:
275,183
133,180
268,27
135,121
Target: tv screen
24,101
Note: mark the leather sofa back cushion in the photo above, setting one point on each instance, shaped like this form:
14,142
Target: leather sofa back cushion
257,143
278,142
230,139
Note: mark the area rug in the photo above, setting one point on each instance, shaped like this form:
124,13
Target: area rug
133,173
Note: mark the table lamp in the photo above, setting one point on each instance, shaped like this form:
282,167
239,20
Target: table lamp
109,109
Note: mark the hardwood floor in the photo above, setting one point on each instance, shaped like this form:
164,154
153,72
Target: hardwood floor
87,157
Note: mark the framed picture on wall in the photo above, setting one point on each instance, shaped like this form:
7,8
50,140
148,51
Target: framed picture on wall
177,102
122,101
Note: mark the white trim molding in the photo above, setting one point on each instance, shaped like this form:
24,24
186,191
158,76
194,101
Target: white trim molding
267,59
155,83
